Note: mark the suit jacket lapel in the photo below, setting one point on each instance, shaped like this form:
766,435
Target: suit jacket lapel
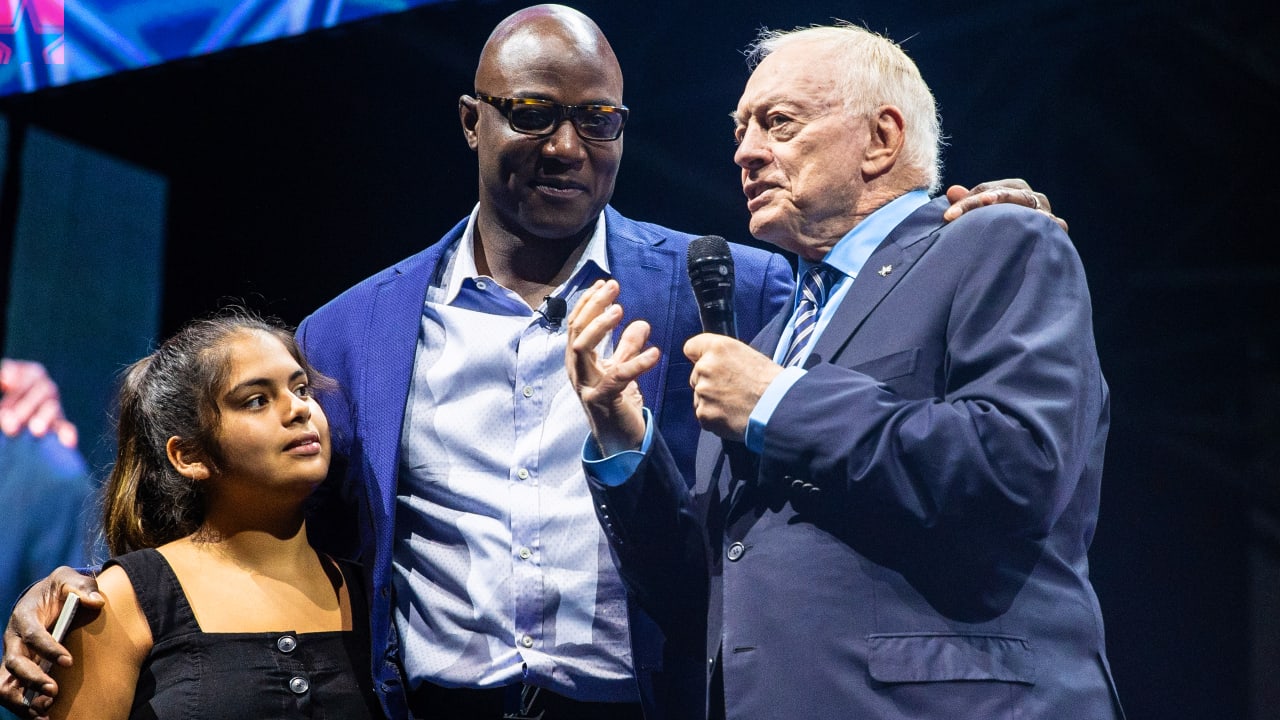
391,341
766,341
649,275
890,262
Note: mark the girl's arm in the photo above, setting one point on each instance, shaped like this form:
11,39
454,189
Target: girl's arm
108,652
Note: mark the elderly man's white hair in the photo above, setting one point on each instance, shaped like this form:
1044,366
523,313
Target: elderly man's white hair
875,71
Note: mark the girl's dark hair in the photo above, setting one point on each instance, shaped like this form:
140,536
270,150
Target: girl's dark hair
174,392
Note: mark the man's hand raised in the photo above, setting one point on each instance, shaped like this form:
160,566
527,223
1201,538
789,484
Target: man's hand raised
607,386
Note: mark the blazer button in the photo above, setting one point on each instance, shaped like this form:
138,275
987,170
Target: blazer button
299,685
286,643
735,551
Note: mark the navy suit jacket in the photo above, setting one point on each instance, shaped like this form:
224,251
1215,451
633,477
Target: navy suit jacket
366,338
912,541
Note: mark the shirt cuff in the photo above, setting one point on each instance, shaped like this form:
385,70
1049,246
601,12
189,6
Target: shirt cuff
617,468
767,403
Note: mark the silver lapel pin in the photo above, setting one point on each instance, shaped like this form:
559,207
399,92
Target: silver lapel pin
884,271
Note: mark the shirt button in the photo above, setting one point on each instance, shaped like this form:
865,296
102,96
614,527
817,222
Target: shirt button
528,391
299,685
523,474
286,643
526,641
736,550
481,285
525,553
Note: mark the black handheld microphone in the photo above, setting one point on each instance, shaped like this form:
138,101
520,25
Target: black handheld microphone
556,309
711,275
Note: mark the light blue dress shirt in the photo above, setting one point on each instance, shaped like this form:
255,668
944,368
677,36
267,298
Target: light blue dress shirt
501,571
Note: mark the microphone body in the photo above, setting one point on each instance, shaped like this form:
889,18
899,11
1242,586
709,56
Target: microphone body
711,275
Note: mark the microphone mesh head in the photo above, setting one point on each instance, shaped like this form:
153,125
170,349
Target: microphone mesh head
707,246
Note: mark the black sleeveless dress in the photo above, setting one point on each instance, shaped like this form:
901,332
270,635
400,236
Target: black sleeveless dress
193,675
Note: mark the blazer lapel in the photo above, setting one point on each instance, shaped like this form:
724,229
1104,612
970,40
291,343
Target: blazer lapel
390,344
886,267
766,341
649,275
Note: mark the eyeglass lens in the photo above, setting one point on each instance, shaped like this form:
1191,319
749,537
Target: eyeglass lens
595,122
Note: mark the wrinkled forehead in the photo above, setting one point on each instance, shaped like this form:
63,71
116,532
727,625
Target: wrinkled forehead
809,80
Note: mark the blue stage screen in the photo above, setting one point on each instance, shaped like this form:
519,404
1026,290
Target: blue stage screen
54,42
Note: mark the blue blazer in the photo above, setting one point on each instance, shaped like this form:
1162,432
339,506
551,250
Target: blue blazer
365,339
912,541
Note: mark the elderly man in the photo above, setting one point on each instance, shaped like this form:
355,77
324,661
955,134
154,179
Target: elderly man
494,590
899,479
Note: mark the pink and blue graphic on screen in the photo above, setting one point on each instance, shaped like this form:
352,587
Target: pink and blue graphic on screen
31,36
54,42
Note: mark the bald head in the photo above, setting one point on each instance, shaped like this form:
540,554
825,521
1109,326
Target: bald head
523,39
552,185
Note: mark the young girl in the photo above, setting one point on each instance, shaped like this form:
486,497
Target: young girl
216,605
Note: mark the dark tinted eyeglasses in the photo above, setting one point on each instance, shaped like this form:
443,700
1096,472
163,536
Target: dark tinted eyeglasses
531,116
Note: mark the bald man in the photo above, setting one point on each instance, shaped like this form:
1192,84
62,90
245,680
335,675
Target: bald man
494,592
494,589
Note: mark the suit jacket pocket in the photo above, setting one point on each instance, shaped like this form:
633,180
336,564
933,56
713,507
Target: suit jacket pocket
935,657
888,367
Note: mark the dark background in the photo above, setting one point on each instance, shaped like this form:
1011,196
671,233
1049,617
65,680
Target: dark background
298,167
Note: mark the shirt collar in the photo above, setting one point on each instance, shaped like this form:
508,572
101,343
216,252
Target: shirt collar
462,265
852,251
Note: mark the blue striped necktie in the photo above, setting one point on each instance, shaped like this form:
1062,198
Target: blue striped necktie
814,291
